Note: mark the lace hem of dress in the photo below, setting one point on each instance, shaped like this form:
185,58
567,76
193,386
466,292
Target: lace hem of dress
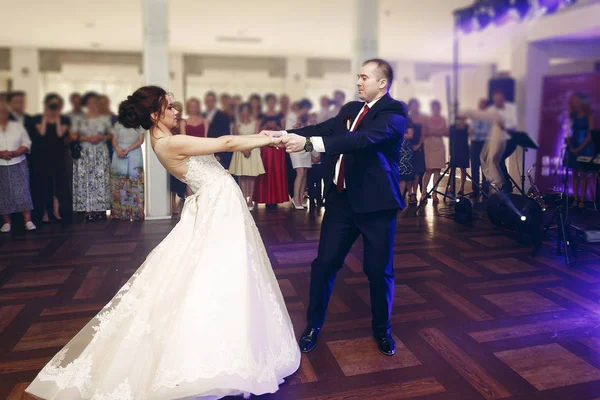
248,368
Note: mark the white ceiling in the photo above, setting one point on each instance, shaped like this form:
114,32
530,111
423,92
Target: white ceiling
409,29
419,30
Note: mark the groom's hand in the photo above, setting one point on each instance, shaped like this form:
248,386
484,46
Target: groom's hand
293,143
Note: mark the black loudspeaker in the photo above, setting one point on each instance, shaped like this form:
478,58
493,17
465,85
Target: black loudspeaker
463,211
517,213
506,85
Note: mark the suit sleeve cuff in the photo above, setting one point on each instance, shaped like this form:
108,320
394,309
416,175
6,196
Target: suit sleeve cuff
318,144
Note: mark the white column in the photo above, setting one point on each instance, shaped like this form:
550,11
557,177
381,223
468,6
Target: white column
295,78
366,39
25,74
177,76
538,64
473,85
529,64
405,76
156,72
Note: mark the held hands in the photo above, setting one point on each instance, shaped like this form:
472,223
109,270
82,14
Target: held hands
276,142
6,155
274,134
275,138
293,143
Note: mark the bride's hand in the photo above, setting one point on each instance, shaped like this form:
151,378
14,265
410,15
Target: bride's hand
275,134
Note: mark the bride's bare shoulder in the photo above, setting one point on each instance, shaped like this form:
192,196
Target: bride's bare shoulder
167,148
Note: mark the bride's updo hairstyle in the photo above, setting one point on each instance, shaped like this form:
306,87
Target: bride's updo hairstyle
137,110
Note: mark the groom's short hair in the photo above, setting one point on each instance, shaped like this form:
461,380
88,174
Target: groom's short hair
385,68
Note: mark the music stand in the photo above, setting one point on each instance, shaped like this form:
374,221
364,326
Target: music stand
523,140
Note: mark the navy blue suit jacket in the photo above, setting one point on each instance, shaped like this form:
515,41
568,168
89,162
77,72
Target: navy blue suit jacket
371,153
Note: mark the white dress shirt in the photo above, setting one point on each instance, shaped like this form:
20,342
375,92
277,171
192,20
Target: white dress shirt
319,146
210,115
508,114
11,138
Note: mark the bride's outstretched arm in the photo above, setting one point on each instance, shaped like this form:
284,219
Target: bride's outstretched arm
194,146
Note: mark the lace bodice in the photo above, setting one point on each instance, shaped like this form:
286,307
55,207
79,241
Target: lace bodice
203,170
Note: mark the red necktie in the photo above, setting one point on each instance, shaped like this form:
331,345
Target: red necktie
341,176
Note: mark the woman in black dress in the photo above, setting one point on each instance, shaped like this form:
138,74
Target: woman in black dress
459,150
48,132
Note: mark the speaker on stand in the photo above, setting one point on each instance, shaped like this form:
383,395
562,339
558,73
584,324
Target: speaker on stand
506,84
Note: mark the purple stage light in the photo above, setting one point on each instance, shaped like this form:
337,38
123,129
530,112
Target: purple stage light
463,19
501,10
522,7
551,6
483,14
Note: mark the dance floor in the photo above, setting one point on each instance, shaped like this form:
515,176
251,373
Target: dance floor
475,315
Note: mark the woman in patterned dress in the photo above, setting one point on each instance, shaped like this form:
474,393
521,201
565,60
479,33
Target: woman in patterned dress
91,183
415,127
405,167
14,172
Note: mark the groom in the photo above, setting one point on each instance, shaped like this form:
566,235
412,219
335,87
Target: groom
362,144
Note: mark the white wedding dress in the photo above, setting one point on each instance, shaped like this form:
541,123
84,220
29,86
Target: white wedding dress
202,318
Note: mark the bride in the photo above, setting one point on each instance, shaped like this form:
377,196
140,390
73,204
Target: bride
203,317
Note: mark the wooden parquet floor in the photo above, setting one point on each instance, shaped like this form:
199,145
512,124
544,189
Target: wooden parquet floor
475,316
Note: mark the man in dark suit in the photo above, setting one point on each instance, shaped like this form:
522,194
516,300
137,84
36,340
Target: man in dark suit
218,125
362,193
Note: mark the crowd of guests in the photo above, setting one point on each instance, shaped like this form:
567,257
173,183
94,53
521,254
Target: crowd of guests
267,176
84,161
55,163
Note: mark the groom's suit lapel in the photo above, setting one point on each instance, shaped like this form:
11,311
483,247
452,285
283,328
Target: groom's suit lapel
370,116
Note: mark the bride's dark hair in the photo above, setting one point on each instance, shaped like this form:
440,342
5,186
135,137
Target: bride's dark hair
137,110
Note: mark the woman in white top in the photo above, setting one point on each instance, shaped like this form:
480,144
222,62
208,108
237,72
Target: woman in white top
14,172
301,161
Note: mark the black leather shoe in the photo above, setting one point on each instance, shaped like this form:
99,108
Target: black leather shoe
386,345
308,340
